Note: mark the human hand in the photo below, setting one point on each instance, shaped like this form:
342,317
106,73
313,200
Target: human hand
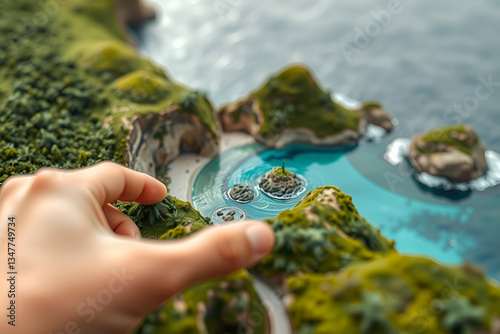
79,267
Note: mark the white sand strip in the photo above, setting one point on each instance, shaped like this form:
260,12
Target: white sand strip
184,169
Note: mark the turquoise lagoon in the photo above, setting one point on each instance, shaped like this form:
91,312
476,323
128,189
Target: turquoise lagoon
452,227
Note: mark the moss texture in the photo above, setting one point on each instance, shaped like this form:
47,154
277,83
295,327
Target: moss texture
281,172
57,87
448,135
394,294
141,86
323,233
232,306
112,57
292,98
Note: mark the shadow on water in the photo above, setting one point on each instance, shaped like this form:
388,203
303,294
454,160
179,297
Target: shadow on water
475,232
452,195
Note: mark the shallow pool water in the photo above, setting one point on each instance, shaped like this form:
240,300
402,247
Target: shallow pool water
419,220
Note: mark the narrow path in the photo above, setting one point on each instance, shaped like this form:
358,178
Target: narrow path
278,316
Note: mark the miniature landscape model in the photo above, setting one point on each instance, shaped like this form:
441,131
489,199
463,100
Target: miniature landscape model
70,99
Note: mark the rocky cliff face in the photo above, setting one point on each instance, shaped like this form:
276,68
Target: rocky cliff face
156,139
453,152
291,108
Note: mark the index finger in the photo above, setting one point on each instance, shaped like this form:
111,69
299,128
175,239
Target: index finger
109,182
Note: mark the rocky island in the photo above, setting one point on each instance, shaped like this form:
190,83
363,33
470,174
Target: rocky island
454,152
241,193
281,184
291,108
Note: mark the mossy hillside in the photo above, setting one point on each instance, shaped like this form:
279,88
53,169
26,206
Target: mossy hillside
140,86
292,98
84,18
158,219
46,106
229,300
347,218
114,58
48,95
316,237
444,135
394,294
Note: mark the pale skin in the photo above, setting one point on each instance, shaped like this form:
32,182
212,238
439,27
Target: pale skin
80,266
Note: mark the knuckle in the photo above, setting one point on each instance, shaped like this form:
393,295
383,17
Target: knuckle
45,177
109,165
12,184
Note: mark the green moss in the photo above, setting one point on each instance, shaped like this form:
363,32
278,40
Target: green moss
316,237
444,135
114,57
281,172
50,97
195,102
231,304
394,294
292,99
141,86
158,219
367,105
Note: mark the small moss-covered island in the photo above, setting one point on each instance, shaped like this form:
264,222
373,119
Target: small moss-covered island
454,152
280,183
291,108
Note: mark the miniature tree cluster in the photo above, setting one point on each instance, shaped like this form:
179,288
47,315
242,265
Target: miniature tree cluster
157,219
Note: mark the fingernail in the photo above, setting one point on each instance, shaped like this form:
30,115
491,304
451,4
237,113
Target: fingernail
259,238
138,236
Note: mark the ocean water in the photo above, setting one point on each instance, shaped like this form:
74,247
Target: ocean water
430,63
423,61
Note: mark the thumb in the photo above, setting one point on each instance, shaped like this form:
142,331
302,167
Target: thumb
214,251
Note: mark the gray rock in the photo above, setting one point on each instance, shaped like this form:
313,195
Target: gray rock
241,193
441,159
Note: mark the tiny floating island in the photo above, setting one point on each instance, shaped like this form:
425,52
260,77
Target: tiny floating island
85,98
280,183
453,152
450,158
241,193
